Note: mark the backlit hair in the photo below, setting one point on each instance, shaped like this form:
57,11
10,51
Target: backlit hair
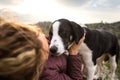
21,55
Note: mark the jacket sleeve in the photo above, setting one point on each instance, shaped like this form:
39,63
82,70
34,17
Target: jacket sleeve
54,75
73,71
74,67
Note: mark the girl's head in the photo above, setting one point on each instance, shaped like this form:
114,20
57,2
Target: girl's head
22,56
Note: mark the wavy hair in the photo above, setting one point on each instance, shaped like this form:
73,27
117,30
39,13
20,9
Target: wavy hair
21,54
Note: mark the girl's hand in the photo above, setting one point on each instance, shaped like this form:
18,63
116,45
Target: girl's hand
73,50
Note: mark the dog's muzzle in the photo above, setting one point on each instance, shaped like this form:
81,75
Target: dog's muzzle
53,49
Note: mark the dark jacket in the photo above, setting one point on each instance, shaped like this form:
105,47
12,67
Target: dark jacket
63,68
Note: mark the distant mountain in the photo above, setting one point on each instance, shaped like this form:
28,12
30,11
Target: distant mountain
115,25
44,26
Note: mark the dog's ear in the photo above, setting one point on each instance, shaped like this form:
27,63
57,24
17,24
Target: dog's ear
78,32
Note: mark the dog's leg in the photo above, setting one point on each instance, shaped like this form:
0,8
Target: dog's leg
89,66
97,72
113,66
99,68
91,71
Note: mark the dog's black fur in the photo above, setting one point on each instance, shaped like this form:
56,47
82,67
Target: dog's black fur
98,41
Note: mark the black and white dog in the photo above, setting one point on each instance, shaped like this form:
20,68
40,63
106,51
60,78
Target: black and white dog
96,45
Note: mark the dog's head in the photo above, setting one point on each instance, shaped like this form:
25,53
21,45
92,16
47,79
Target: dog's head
62,33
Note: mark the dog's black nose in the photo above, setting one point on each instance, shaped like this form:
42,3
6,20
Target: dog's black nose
53,49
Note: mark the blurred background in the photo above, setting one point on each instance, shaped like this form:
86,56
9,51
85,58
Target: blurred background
96,14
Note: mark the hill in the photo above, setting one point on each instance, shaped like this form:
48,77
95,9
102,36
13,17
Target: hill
44,26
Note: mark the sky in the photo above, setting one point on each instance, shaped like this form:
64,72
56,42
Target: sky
80,11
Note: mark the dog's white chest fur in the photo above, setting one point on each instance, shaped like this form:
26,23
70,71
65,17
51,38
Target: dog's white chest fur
86,54
84,50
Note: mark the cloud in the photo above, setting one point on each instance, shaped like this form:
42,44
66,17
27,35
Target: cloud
74,2
105,4
10,2
83,11
93,4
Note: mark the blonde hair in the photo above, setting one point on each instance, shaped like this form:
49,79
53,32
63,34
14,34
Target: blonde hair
21,55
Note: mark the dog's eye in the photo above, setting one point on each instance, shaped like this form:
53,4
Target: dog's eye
62,33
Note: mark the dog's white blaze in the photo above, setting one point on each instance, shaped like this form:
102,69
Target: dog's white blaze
56,39
87,57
